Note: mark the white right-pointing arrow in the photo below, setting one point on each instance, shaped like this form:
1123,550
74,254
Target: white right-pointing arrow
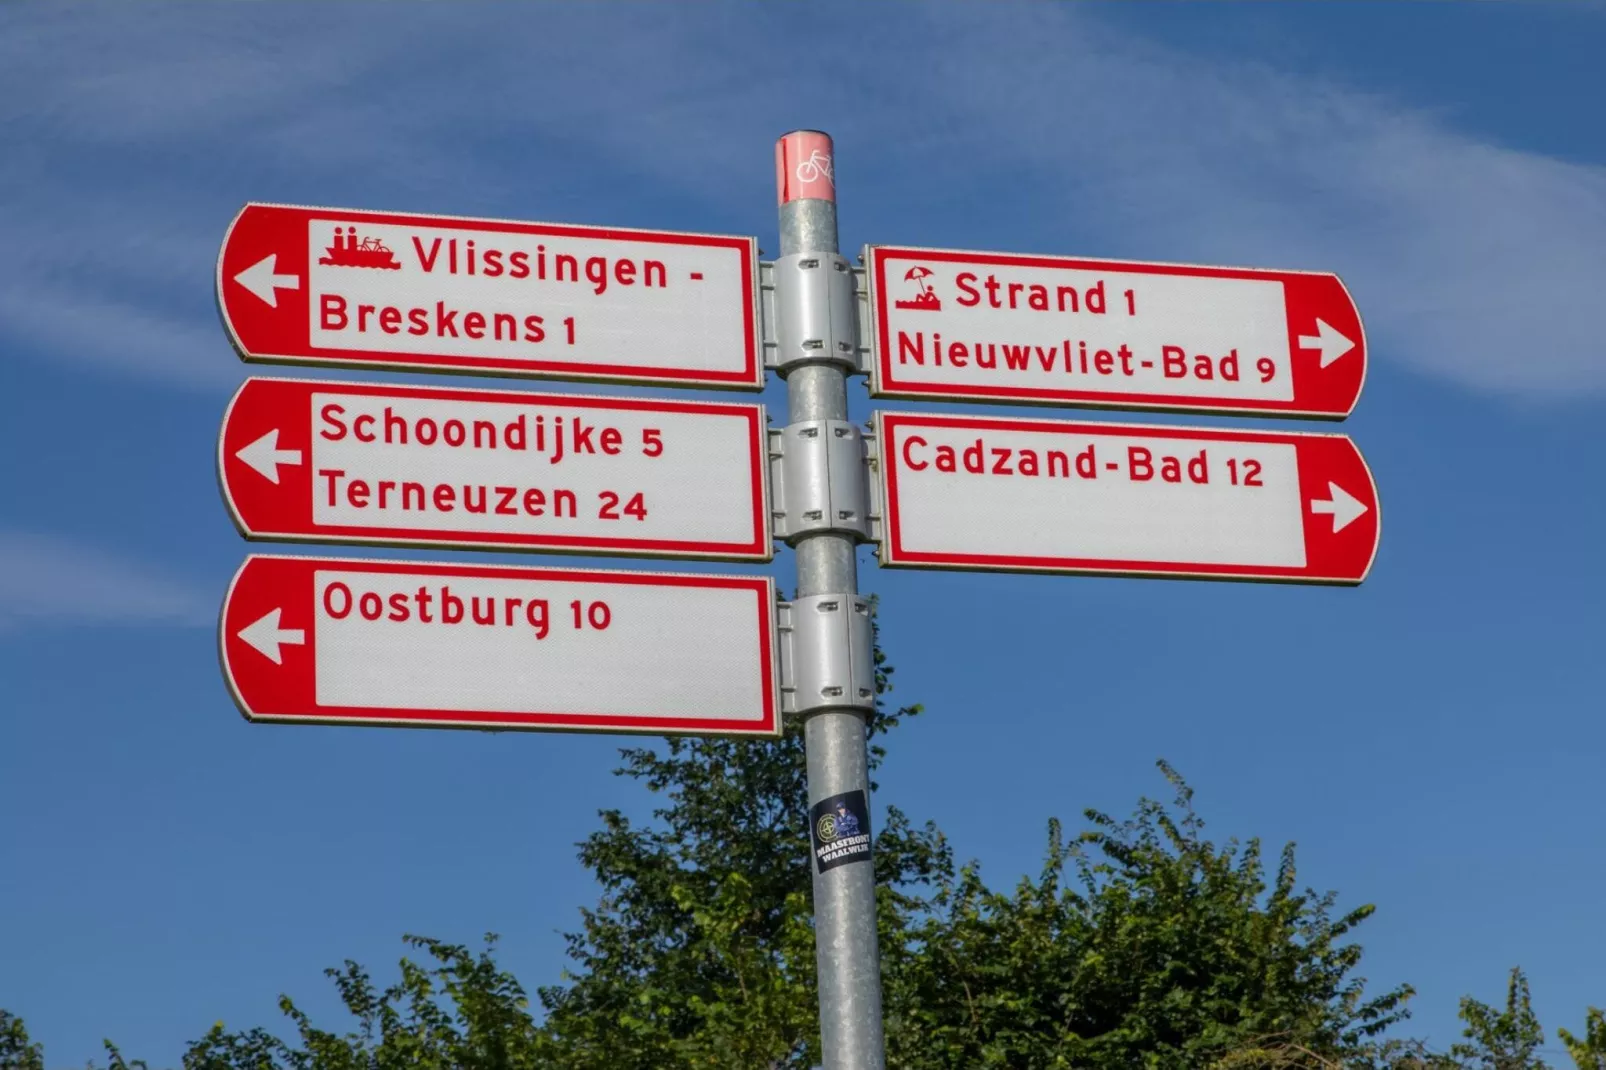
1343,507
1329,340
263,279
265,455
266,636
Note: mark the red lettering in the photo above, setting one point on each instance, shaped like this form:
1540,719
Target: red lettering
1139,464
329,604
332,312
908,454
331,415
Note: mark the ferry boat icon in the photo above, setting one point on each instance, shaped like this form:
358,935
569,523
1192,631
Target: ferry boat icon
348,251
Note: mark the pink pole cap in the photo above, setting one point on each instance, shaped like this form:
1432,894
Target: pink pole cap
804,166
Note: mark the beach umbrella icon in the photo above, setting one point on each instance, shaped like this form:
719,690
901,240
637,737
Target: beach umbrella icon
918,275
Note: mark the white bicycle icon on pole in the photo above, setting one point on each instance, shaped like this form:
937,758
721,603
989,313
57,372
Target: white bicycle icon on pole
818,165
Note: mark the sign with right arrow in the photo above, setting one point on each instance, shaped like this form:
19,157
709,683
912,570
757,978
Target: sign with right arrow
1112,334
985,493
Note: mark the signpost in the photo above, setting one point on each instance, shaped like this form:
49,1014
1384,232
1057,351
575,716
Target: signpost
1126,499
335,286
405,465
323,640
306,639
1104,333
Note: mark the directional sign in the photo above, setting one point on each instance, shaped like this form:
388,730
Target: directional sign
1109,334
1048,496
403,465
317,640
372,289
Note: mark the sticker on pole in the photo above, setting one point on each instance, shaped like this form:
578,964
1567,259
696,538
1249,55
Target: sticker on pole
1124,499
338,286
1112,334
406,465
840,830
337,641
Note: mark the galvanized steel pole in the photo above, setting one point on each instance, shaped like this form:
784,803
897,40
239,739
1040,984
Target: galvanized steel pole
844,897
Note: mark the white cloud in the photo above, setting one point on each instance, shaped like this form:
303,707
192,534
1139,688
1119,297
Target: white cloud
57,580
1475,263
1470,261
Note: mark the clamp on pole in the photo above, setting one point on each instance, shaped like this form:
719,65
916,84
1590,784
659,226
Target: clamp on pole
812,304
818,480
827,659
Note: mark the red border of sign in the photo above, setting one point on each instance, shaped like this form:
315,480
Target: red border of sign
1319,394
1319,456
240,234
286,693
760,549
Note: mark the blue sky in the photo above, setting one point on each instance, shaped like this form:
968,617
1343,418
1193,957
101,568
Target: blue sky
1432,740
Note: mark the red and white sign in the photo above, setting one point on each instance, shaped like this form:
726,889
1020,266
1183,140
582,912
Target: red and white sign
405,465
318,640
1108,334
376,289
1127,499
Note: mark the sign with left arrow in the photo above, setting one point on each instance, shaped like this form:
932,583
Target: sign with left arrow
337,286
326,461
317,640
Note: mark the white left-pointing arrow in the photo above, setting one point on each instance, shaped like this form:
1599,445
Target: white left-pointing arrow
262,278
1329,339
1344,507
265,455
266,636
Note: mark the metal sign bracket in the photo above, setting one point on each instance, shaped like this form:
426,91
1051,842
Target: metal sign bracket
818,480
872,481
826,653
813,317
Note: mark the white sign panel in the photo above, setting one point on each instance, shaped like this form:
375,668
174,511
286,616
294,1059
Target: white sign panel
1062,331
307,639
353,462
1038,495
341,286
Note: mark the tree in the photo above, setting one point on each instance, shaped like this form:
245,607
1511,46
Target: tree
1163,951
460,1012
17,1052
1589,1051
1501,1040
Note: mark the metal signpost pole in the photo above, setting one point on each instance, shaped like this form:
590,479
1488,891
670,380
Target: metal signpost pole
838,762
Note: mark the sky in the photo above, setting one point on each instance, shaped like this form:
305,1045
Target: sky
1432,740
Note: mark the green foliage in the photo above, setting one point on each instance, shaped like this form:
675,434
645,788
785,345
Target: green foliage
17,1052
460,1011
1501,1040
1140,944
1589,1051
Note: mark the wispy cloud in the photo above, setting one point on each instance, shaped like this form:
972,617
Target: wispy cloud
56,580
1472,262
